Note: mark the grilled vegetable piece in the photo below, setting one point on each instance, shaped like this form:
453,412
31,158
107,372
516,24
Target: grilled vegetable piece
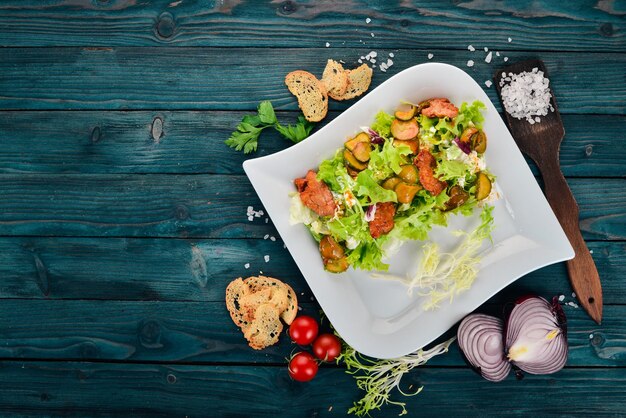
409,173
336,266
479,142
475,138
405,111
352,143
413,144
483,186
351,160
391,183
329,248
406,192
362,151
458,196
404,130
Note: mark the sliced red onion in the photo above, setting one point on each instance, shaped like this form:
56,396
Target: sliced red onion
375,138
462,145
480,341
536,336
370,212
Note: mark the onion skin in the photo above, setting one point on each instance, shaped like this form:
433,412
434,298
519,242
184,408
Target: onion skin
481,343
536,336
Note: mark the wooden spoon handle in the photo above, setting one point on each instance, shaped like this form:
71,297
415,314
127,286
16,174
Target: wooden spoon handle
582,270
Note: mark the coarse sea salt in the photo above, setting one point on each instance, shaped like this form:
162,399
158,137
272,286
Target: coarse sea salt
488,58
430,56
470,63
471,48
526,95
488,83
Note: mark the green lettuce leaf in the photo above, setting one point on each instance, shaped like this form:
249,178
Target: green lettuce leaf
386,160
369,188
333,172
470,113
451,169
382,124
367,256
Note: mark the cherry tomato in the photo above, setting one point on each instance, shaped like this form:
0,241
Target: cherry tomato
303,330
302,367
327,347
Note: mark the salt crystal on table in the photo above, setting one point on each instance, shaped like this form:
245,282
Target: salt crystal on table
327,44
430,56
497,54
373,54
470,63
391,54
368,20
471,48
266,236
488,83
250,218
488,58
506,59
266,258
573,294
591,336
486,49
510,39
272,238
360,61
372,33
247,265
561,298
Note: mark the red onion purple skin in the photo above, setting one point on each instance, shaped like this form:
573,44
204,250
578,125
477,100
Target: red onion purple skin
463,146
370,212
558,312
375,138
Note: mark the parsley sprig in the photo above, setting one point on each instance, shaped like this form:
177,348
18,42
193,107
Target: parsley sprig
246,137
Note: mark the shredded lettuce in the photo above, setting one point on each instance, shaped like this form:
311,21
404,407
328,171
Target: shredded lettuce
382,124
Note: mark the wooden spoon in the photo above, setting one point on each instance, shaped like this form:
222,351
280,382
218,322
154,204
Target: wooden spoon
541,142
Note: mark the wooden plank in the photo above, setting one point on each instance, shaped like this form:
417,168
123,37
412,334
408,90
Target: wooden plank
121,142
201,206
199,270
86,389
238,78
540,25
204,332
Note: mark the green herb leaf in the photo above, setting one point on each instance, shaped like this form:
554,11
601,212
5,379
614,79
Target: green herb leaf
297,132
266,113
246,136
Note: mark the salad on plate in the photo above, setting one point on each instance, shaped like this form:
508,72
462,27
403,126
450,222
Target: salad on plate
393,182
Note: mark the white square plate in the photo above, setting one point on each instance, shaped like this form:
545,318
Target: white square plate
377,317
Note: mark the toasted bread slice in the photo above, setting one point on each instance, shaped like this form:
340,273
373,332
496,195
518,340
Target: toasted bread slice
261,282
335,79
251,302
265,329
359,81
311,93
235,292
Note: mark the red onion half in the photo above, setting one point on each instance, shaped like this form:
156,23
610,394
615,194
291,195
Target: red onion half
480,340
536,336
534,341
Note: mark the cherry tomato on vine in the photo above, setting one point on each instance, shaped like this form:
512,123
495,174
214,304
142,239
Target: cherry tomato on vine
302,367
303,330
327,347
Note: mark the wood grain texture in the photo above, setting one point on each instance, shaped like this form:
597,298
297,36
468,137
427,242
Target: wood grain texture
199,270
144,78
204,332
119,142
75,389
201,206
538,25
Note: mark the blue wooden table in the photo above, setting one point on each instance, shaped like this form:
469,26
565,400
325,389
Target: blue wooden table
123,214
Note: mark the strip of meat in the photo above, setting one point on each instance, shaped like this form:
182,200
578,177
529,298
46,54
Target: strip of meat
426,165
315,194
383,219
440,108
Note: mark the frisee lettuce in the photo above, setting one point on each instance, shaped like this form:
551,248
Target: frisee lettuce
386,160
378,378
382,124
